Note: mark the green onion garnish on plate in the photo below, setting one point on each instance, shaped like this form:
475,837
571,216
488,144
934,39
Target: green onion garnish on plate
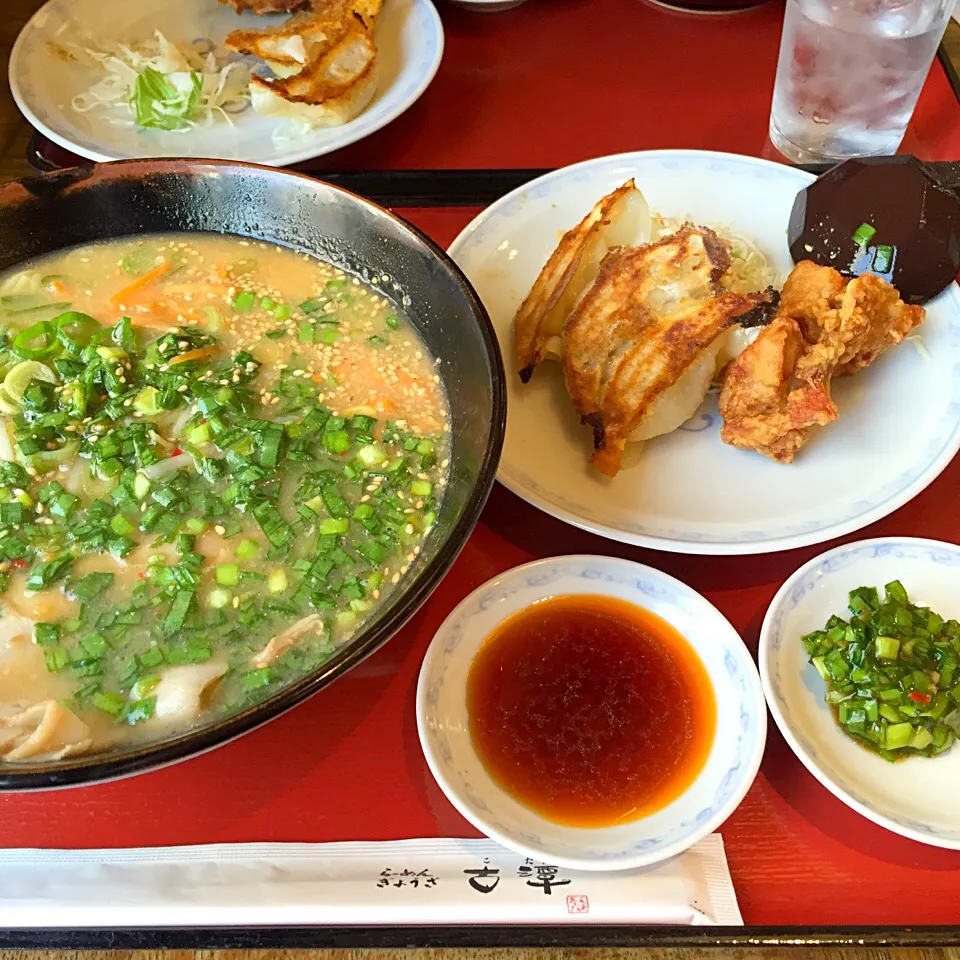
863,234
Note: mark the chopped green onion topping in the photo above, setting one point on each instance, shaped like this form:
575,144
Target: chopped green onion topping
883,259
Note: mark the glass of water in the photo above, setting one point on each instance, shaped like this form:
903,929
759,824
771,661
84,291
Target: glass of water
850,73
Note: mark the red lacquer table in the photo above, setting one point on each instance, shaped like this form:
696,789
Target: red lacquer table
551,83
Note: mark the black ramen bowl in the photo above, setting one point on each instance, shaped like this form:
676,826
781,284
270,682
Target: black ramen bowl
56,211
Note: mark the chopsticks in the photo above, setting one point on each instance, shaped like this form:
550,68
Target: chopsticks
445,188
432,188
479,188
425,188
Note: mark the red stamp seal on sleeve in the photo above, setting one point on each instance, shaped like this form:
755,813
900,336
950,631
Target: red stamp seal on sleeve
578,903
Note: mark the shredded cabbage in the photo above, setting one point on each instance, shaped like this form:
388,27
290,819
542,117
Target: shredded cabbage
155,83
749,271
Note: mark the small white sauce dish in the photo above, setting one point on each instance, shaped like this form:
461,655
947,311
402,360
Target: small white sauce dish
915,797
730,768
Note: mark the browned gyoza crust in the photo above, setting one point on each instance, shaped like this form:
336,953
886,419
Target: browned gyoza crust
543,313
261,43
650,313
326,29
312,85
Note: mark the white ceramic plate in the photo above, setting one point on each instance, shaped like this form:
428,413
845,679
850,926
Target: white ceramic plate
916,797
727,775
689,492
409,38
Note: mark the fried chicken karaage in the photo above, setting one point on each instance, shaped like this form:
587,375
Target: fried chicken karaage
778,389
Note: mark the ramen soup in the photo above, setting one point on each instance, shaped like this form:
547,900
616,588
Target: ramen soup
218,458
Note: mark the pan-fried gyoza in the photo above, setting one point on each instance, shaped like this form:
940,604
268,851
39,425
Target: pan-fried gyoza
324,58
654,314
619,218
640,329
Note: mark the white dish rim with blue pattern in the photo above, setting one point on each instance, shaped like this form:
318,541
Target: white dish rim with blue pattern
913,830
744,539
536,576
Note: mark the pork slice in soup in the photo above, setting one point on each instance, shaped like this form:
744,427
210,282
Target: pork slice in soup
217,459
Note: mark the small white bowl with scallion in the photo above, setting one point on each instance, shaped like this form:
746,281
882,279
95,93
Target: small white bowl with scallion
914,796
